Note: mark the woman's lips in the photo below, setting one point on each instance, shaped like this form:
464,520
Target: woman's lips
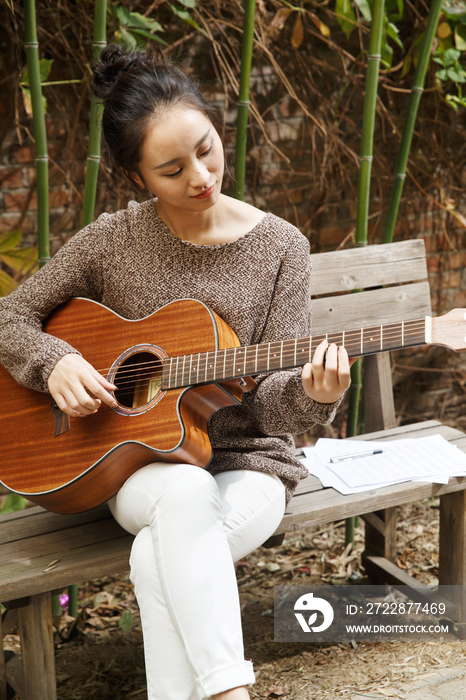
206,193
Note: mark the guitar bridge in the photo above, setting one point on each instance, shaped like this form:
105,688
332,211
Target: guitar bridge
60,419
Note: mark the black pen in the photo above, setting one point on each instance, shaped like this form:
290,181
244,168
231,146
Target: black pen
356,455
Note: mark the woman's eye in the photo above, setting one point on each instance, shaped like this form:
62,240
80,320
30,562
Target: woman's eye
206,153
174,174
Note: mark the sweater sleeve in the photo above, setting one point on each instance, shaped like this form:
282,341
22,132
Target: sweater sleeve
279,403
26,351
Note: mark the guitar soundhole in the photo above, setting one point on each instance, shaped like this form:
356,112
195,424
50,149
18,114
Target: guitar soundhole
138,379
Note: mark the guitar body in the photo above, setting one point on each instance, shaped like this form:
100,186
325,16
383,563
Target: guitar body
69,465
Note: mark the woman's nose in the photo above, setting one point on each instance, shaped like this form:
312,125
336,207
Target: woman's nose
200,175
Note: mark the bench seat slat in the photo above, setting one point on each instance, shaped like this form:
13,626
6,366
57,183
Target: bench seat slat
83,564
37,521
60,541
317,508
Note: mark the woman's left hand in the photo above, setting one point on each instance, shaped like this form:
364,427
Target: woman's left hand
328,376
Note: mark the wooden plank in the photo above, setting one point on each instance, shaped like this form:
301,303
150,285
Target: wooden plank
15,676
452,550
37,521
380,533
93,561
379,406
329,505
307,485
37,653
9,620
383,570
59,542
378,306
3,690
372,266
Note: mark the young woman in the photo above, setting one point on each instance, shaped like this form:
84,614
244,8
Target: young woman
187,241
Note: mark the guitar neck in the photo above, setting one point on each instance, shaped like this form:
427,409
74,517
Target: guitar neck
219,365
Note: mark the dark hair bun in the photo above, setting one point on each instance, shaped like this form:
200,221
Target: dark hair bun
113,62
136,89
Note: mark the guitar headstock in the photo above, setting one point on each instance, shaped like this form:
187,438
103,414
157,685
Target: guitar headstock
450,330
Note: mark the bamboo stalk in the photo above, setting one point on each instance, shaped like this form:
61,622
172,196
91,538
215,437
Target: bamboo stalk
243,98
370,103
411,114
95,121
364,184
40,135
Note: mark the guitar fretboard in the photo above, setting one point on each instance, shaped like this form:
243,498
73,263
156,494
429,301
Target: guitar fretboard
218,365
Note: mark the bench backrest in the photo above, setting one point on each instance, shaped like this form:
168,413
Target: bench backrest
366,287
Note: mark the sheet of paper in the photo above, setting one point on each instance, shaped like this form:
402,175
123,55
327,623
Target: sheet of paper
431,459
401,460
329,479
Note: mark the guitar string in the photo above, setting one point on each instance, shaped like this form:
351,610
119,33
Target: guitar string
289,345
131,376
286,352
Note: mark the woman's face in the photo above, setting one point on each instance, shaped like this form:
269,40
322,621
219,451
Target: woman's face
182,160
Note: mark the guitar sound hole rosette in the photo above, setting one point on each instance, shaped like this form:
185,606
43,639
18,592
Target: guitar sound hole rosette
137,374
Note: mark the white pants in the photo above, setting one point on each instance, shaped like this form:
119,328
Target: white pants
190,528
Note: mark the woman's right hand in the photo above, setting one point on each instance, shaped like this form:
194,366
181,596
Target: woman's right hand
78,389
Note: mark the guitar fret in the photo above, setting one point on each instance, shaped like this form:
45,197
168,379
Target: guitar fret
214,365
170,374
238,370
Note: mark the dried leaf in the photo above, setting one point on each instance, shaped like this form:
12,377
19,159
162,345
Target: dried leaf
298,33
280,18
274,690
323,28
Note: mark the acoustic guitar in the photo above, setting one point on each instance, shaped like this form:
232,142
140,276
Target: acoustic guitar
173,370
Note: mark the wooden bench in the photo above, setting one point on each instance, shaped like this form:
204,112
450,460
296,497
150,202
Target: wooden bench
41,552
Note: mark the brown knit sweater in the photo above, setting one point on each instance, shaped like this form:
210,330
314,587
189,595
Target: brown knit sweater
132,263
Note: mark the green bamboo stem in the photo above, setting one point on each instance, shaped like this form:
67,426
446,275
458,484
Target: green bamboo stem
243,98
411,114
95,120
364,184
40,135
370,103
